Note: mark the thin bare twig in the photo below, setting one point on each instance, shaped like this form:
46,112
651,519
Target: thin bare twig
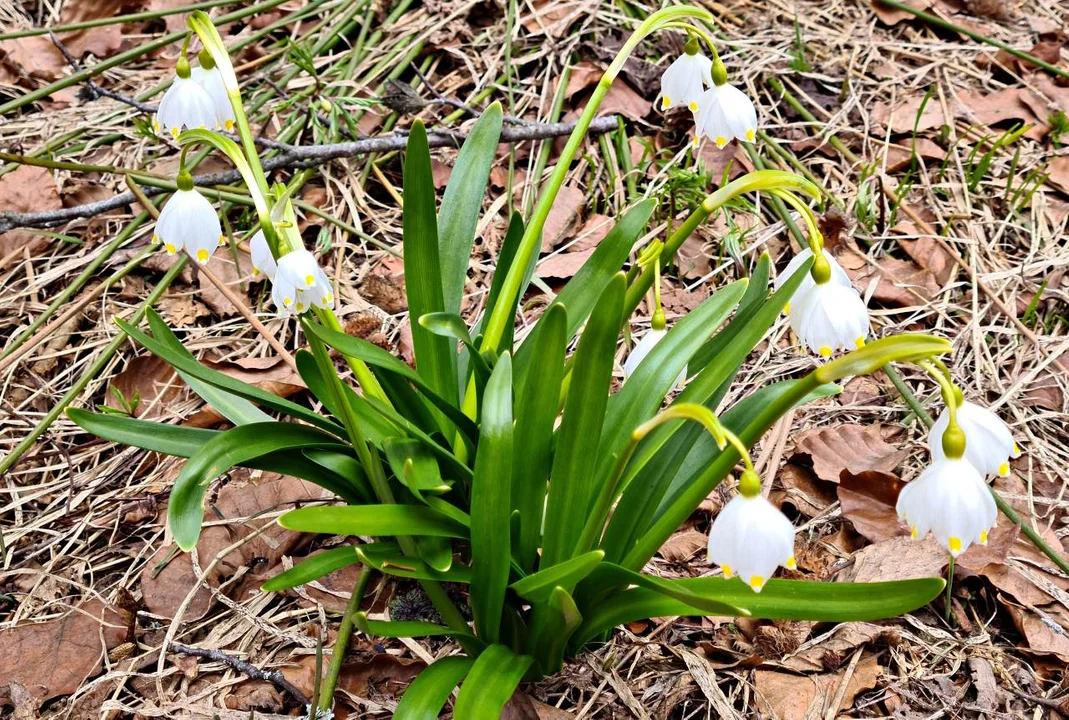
298,157
274,677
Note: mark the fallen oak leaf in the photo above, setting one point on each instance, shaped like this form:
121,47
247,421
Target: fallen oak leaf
817,654
898,282
836,449
57,656
798,697
27,189
867,500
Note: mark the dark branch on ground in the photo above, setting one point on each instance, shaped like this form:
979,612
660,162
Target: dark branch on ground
274,677
299,157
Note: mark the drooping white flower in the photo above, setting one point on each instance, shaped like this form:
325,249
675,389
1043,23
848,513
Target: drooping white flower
750,538
188,221
684,82
262,259
830,317
315,288
642,349
951,500
725,112
297,268
212,83
989,443
838,275
185,105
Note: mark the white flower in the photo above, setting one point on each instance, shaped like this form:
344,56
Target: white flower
262,259
951,500
212,83
188,221
684,82
297,268
989,444
749,538
642,349
297,287
185,105
725,113
830,317
838,275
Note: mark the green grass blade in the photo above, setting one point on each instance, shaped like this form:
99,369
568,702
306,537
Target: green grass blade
490,683
462,202
317,566
373,520
436,356
185,509
429,692
490,508
536,412
571,487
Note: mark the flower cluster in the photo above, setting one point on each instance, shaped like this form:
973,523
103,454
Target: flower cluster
721,111
196,99
297,281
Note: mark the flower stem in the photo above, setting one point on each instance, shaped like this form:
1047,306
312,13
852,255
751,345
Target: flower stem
341,644
950,586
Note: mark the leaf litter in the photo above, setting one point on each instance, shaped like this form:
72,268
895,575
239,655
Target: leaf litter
109,503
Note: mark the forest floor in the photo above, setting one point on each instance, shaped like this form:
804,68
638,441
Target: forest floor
947,171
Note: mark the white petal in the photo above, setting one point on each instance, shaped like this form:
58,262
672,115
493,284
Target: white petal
989,443
683,82
185,105
284,295
212,82
262,259
750,538
298,267
830,317
951,500
739,113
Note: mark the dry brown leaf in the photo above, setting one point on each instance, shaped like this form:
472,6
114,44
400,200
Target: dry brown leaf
563,265
229,274
100,41
563,217
33,57
524,707
591,233
1045,628
802,490
386,292
552,18
244,496
27,189
801,697
623,100
1003,106
1058,173
850,448
901,558
384,673
583,75
898,282
683,545
1048,50
692,262
930,255
834,647
254,695
892,16
899,155
55,657
863,390
868,501
905,115
147,383
181,309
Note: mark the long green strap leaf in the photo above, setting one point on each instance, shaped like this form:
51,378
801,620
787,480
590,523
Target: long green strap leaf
490,683
779,600
185,509
554,623
408,629
429,692
537,587
537,404
373,425
571,486
184,363
462,202
373,520
391,561
490,508
312,568
436,356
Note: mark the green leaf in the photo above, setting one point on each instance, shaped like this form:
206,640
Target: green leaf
571,487
429,692
779,600
373,355
490,683
373,520
185,509
586,287
448,325
183,362
509,246
436,356
345,466
236,409
317,566
407,629
490,509
555,622
415,467
373,425
462,202
187,442
388,559
537,587
608,576
536,412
